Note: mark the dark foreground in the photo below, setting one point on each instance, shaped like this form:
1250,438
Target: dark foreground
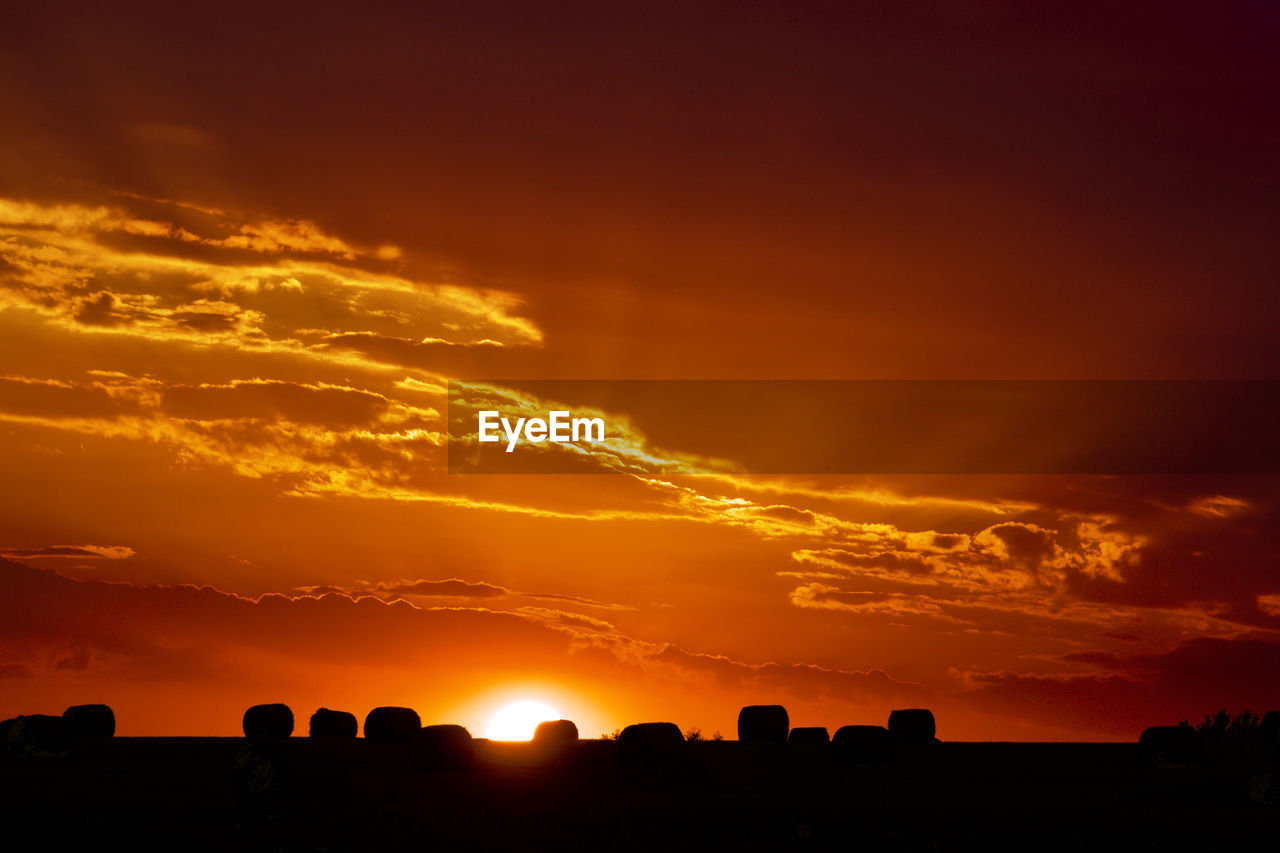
300,794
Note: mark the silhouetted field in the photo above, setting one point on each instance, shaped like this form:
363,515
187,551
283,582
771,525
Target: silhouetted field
352,794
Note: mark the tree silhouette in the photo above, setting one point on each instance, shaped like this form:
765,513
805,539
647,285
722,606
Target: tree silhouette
1223,727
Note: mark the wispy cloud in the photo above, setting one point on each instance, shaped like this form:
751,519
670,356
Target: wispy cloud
93,552
265,285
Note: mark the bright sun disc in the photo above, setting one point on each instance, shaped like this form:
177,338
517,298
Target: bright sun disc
518,720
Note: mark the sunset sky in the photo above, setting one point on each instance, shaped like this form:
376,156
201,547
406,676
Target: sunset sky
244,247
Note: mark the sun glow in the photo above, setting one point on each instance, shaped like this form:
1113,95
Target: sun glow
518,720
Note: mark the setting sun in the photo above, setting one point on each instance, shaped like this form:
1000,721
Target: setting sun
518,720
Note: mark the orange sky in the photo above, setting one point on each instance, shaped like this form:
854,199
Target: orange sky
243,250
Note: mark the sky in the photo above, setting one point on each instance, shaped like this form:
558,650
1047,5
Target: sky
243,250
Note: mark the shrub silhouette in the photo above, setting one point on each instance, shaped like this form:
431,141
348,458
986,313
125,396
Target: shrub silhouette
37,736
1222,727
257,775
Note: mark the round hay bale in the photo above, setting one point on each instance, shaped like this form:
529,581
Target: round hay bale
443,747
90,721
809,735
390,724
1164,745
274,720
853,745
642,741
913,725
553,739
334,724
37,736
763,724
556,733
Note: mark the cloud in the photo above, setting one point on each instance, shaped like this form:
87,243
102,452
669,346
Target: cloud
1102,660
1217,506
452,587
125,627
261,399
824,597
457,588
48,398
887,562
305,436
429,353
1198,676
1022,567
1026,546
99,552
219,647
1191,558
820,683
269,285
15,670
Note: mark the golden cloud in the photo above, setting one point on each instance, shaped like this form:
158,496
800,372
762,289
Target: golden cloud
265,285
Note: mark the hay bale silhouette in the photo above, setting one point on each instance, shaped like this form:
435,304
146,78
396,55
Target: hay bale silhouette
809,735
274,720
37,736
763,724
641,742
1164,745
555,733
1269,728
90,721
336,724
390,724
913,725
853,745
443,747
